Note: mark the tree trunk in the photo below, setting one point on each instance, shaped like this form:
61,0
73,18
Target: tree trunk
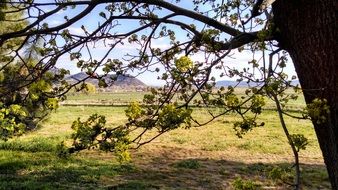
307,30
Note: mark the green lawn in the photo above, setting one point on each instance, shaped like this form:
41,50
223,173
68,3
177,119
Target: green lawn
210,157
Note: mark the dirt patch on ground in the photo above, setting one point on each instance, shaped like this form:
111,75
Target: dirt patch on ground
165,167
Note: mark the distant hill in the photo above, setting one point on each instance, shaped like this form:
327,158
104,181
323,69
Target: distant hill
226,83
122,81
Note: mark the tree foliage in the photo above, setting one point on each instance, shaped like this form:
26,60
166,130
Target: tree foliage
26,91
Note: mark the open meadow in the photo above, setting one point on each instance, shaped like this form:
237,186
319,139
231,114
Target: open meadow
209,157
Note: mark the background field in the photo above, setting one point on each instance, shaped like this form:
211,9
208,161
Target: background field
210,157
124,98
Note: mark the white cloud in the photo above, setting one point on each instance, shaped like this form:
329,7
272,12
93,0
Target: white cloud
55,22
76,30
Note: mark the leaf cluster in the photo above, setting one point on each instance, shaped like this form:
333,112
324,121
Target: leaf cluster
93,134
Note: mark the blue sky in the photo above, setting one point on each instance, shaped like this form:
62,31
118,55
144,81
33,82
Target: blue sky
237,60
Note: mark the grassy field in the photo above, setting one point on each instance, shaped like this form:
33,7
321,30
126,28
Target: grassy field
124,98
105,98
210,157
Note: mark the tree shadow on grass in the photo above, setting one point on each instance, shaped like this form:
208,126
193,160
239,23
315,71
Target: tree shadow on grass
220,174
157,172
58,174
164,170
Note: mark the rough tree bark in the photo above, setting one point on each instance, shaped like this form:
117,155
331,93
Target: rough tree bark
308,31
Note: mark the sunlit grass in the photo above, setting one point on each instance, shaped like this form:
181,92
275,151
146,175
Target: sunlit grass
211,157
